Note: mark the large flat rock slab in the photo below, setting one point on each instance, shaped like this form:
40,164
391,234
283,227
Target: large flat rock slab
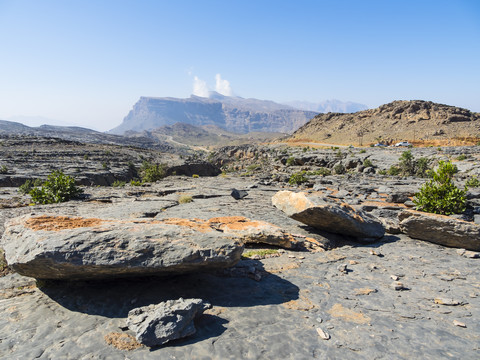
335,218
440,229
63,247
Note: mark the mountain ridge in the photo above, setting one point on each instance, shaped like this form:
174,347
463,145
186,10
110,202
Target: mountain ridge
397,120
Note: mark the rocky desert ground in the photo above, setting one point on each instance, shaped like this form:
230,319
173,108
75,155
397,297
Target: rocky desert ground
297,253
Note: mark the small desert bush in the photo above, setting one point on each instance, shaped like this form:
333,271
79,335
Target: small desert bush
440,195
58,188
367,163
461,157
321,171
152,172
135,183
118,183
3,169
185,199
28,185
297,178
472,182
339,169
195,176
290,161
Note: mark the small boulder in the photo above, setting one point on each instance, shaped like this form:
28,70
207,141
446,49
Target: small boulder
158,324
238,194
440,229
335,218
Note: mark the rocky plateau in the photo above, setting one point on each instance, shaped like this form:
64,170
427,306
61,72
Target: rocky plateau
248,263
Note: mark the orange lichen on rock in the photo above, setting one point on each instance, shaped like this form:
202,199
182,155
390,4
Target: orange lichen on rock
196,224
227,220
57,223
122,341
347,314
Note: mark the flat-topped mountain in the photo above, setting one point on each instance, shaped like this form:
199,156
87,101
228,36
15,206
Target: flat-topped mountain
398,120
231,113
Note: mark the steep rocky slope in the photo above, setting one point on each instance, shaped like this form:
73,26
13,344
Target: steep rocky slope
234,114
398,120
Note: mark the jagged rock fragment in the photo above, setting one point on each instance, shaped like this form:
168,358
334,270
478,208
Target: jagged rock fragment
158,324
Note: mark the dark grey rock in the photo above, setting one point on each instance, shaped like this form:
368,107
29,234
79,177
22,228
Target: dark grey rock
238,194
158,324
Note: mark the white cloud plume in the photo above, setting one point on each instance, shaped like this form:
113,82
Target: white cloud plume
200,87
222,86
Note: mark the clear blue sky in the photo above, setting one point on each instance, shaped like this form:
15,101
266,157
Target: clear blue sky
87,62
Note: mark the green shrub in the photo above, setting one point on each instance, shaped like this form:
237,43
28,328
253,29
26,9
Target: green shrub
321,171
461,157
363,151
253,167
393,170
339,169
58,188
152,172
422,167
135,183
290,161
367,163
407,163
472,182
28,185
118,183
440,195
3,169
195,176
382,172
297,178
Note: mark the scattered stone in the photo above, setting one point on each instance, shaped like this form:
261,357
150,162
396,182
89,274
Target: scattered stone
323,334
342,268
341,219
319,319
365,291
238,194
155,325
468,254
440,229
398,286
448,302
394,277
459,324
376,253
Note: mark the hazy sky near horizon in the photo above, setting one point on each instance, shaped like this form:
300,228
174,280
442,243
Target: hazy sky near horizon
88,62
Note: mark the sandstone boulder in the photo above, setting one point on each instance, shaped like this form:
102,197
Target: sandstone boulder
335,218
155,325
440,229
62,247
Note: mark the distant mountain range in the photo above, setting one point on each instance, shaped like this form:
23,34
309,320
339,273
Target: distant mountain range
232,113
335,106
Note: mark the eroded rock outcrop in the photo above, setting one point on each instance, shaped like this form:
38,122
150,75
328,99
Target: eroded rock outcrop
335,218
440,229
62,247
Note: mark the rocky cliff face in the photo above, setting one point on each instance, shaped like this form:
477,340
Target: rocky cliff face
231,113
398,120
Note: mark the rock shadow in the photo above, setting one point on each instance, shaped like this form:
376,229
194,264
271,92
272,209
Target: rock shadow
115,298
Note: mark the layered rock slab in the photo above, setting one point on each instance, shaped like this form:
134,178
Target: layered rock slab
335,218
158,324
440,229
62,247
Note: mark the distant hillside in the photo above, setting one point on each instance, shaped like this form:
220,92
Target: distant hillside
84,135
205,135
234,114
327,106
398,120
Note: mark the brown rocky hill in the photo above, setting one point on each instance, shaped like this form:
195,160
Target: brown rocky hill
414,120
